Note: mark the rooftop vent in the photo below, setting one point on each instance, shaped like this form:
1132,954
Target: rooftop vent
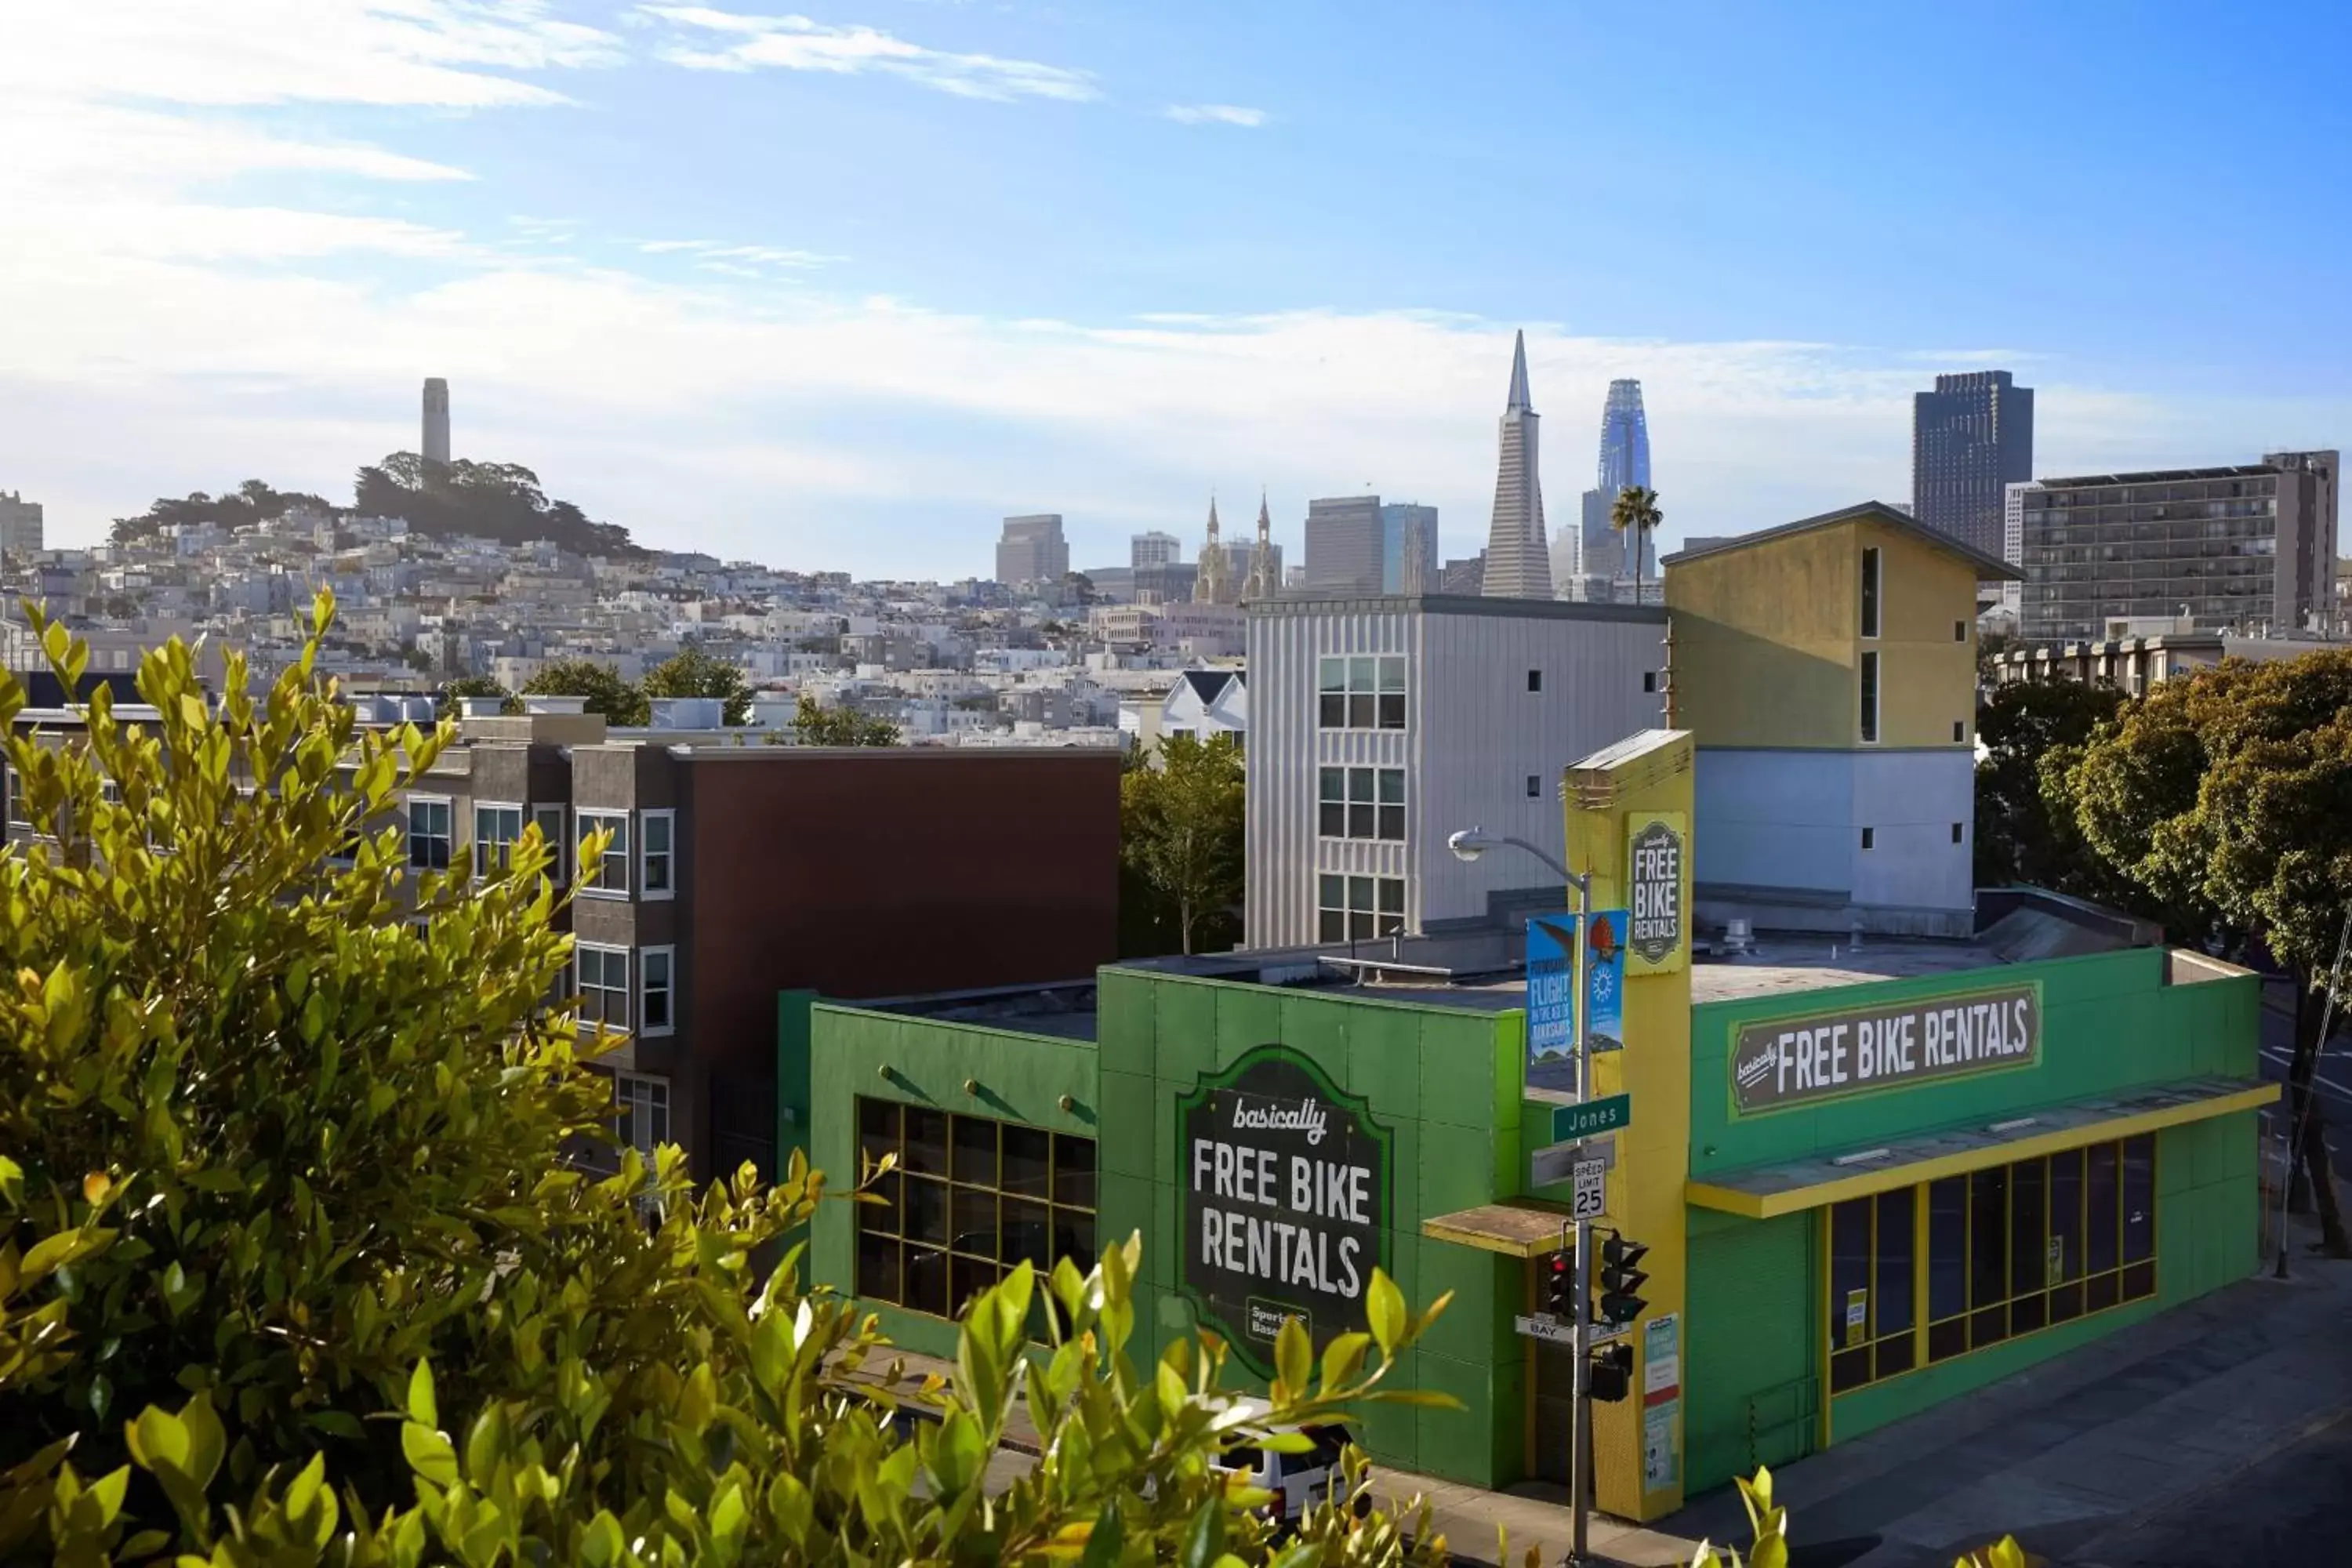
688,712
554,705
1739,936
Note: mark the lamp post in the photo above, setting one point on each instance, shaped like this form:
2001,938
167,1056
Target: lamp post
1467,845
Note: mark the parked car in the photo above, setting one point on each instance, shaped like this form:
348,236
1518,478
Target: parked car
1298,1481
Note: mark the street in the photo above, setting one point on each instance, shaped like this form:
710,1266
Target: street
2294,1505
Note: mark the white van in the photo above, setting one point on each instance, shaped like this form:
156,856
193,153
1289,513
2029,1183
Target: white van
1298,1481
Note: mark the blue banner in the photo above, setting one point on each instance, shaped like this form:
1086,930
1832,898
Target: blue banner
1605,979
1551,1005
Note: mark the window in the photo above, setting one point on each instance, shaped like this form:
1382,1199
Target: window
1959,731
971,1198
16,818
1959,631
549,819
655,1004
1649,681
1870,838
1360,803
496,828
1870,592
1358,909
1362,691
612,871
429,833
1535,680
1535,786
603,984
643,1102
655,866
1870,698
1956,832
2010,1250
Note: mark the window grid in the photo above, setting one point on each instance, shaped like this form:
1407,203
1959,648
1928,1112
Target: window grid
972,1199
612,871
1870,698
604,975
656,834
1361,691
1972,1262
496,829
1358,908
1870,586
16,818
430,828
1360,803
643,1122
657,995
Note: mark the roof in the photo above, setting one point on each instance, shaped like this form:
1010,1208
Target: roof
1988,568
1209,685
1341,603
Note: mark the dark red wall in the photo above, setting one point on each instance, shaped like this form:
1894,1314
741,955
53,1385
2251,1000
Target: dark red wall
888,873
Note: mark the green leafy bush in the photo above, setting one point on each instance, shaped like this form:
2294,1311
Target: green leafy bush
295,1265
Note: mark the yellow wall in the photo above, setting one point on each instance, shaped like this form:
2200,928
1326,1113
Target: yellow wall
1646,1190
1767,640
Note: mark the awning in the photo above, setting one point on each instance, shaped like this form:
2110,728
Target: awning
1515,1230
1765,1192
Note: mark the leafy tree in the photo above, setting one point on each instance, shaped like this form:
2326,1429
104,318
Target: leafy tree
1636,513
815,725
2228,796
622,702
251,502
477,686
694,673
293,1270
504,501
1180,832
2017,838
1081,588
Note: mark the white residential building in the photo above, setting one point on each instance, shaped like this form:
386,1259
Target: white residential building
1381,726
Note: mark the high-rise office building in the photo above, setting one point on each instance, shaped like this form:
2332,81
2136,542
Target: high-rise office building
20,525
1970,440
2250,548
435,447
1344,546
1625,439
1033,550
1600,557
1518,553
1408,549
1154,549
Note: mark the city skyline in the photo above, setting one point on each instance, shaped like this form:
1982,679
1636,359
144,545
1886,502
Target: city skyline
274,237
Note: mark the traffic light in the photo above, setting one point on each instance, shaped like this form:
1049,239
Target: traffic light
1560,1286
1621,1276
1613,1372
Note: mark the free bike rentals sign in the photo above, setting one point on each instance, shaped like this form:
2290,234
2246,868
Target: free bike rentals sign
1285,1201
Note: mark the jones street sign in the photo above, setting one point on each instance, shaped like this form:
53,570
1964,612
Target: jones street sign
1604,1115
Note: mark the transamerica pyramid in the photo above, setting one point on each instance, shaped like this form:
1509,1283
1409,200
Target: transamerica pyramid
1518,554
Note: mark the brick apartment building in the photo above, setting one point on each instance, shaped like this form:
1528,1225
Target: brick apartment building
737,872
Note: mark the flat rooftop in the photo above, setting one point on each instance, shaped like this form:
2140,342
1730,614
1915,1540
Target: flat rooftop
1482,970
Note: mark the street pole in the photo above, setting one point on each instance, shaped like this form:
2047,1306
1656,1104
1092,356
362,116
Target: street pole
1579,1470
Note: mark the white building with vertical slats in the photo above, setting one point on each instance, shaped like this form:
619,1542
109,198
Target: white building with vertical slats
1380,726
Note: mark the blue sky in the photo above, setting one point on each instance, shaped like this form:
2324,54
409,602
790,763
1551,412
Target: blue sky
836,289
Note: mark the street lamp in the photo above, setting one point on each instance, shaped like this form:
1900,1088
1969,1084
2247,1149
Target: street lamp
1467,845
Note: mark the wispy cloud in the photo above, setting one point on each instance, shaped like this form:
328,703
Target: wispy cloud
1215,114
742,258
725,40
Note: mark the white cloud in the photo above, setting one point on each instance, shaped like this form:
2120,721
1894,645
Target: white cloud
440,53
725,40
711,251
1215,114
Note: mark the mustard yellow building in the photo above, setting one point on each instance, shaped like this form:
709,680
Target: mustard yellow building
1827,669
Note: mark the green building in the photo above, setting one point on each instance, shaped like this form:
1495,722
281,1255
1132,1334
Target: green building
1894,1174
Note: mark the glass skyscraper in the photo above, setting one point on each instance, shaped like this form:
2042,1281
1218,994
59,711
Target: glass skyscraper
1625,439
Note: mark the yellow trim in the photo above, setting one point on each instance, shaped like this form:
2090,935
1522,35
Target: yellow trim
1867,1184
1438,1230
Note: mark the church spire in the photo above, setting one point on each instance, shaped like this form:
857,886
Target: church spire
1264,577
1211,582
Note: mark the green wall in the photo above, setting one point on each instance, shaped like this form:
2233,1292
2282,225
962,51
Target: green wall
1442,1080
2108,1022
1020,1078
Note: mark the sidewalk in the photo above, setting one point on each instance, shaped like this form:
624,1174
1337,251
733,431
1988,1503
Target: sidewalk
2078,1457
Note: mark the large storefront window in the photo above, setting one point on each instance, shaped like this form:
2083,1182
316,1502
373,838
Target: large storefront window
2008,1251
971,1197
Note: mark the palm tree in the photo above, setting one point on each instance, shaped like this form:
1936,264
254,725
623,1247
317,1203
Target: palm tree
1635,512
